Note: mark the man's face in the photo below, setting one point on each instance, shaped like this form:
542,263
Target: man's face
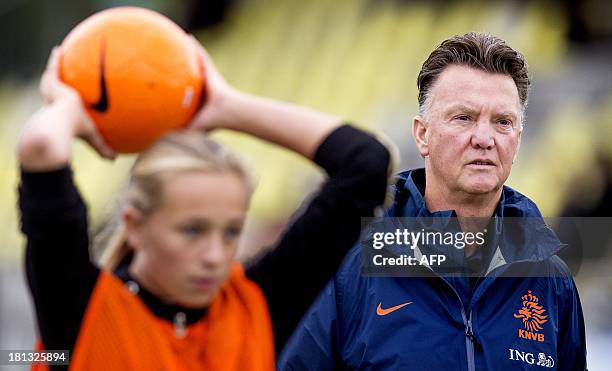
471,131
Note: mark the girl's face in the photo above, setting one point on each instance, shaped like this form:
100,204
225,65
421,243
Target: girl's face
184,250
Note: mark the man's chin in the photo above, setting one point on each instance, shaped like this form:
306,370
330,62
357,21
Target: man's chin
481,187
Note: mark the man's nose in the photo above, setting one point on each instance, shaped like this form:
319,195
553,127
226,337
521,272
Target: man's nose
483,135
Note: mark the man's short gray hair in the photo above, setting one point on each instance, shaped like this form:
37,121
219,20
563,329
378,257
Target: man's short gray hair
477,50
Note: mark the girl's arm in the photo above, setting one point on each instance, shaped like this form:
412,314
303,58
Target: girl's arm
294,127
310,250
60,274
45,142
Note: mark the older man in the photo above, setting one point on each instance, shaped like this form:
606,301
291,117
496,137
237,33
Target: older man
521,310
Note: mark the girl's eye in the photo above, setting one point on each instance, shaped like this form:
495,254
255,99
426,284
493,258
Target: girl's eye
191,231
233,233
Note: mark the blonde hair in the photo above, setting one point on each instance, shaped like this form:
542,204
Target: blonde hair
177,153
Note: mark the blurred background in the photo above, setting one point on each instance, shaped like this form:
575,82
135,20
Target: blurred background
358,59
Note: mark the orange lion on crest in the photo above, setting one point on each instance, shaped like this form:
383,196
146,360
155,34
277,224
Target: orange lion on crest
532,313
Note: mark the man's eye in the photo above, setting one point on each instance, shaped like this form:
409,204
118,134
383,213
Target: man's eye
462,118
505,123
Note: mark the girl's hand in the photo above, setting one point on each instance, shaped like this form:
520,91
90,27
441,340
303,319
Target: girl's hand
45,142
57,93
217,95
294,127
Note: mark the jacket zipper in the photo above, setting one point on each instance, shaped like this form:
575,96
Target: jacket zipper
469,334
467,322
180,325
469,342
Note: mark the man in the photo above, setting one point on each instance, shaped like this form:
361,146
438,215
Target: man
523,312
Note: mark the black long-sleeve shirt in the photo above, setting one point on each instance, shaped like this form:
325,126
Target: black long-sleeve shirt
62,277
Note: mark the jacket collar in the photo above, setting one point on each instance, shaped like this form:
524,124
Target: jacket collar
171,312
532,241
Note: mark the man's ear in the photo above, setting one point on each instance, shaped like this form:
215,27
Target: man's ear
419,134
518,146
133,219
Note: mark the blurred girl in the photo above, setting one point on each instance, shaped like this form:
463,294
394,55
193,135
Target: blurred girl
169,294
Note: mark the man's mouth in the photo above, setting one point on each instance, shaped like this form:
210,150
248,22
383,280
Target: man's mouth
482,162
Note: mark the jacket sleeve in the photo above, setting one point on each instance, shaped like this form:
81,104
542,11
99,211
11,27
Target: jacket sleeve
310,250
60,274
571,347
313,345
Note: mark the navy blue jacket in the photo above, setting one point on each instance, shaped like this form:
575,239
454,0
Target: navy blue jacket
449,324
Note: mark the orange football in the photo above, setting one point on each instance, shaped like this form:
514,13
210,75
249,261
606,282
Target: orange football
137,73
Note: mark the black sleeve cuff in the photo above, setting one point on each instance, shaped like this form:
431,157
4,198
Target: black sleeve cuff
337,147
48,185
46,198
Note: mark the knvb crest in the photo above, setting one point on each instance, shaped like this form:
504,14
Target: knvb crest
533,317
